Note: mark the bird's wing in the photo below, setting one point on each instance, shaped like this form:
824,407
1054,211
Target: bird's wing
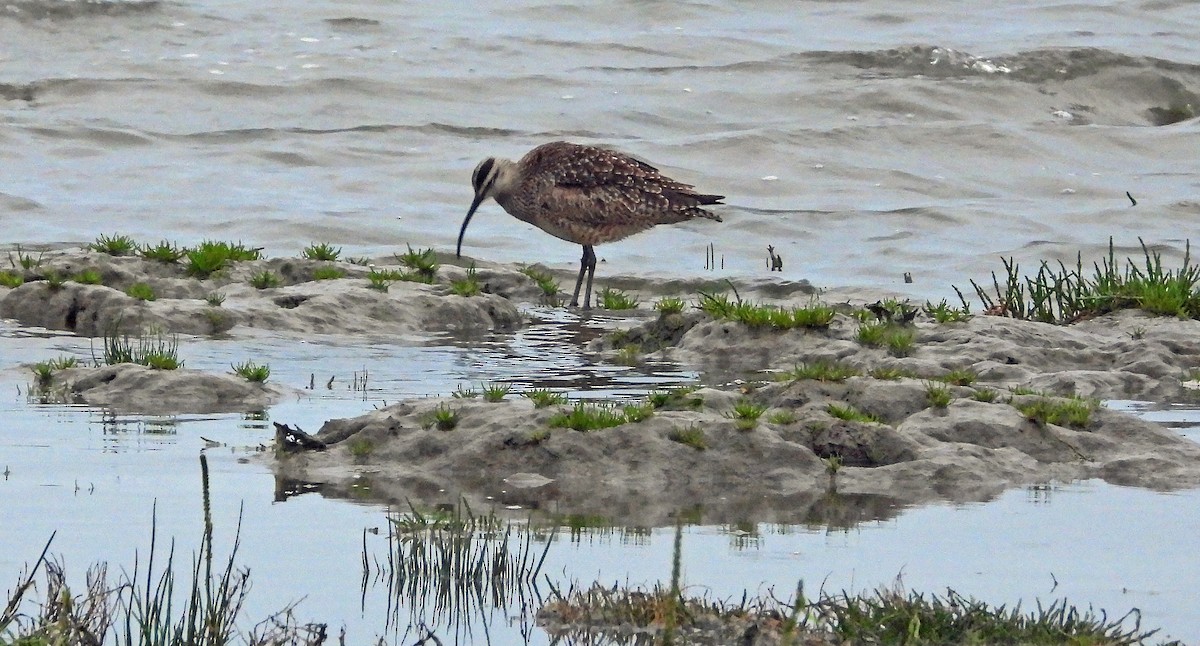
611,185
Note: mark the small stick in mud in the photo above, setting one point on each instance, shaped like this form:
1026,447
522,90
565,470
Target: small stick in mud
291,439
775,261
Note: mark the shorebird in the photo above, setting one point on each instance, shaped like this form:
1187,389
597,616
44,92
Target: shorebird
585,195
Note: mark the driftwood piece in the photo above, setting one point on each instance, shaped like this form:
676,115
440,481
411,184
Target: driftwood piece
290,439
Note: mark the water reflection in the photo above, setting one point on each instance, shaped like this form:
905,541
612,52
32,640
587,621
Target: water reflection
550,353
453,572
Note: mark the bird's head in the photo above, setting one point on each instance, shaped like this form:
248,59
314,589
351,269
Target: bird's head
484,179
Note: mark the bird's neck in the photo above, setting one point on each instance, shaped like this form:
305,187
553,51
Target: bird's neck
507,179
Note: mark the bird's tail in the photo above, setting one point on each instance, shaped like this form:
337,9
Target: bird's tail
709,199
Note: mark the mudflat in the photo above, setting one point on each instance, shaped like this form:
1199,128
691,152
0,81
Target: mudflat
788,423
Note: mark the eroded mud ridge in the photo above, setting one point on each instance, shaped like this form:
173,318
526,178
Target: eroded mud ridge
53,297
974,408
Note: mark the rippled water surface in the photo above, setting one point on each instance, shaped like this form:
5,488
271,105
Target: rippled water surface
861,139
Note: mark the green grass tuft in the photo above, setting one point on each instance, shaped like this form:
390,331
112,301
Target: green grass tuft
897,339
495,392
328,273
719,306
1065,294
588,417
891,373
938,395
443,418
210,256
1076,413
114,245
544,397
151,350
24,260
141,291
680,398
745,414
615,299
55,280
943,313
849,413
379,280
669,305
423,263
692,436
629,355
321,251
265,279
251,371
782,417
88,277
638,412
959,377
361,448
11,280
544,280
469,286
164,252
986,395
820,371
43,371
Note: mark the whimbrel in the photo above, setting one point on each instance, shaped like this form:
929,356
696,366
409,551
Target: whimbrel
585,195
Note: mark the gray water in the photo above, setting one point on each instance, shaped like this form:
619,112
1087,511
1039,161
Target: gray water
102,480
862,139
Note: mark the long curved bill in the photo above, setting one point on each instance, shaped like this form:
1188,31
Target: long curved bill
461,232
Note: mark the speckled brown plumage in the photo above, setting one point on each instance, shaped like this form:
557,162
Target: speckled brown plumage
586,195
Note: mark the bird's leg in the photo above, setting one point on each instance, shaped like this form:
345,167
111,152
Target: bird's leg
586,264
589,259
579,279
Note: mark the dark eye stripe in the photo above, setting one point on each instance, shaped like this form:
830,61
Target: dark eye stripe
482,172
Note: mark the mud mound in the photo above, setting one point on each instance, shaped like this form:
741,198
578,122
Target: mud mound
134,388
1123,355
226,300
789,463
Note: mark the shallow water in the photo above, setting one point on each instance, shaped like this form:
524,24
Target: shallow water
98,479
862,139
